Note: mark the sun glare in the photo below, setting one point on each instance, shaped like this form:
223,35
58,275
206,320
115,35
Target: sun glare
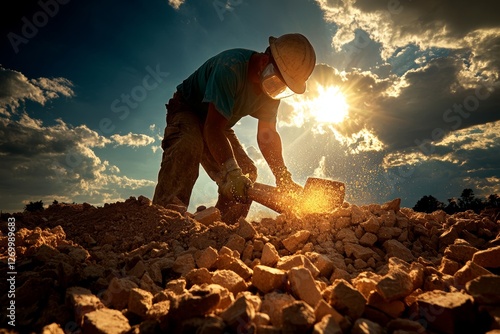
330,106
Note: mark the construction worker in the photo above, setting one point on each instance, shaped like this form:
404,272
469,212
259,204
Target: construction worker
205,107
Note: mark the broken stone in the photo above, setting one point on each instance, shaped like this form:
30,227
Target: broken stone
238,315
460,253
468,272
206,258
347,300
293,242
82,302
322,263
235,242
234,264
140,301
395,285
365,326
396,249
245,229
105,321
299,260
273,305
270,255
298,317
448,266
208,216
485,289
327,325
267,279
404,326
393,308
447,312
358,251
303,286
230,280
184,264
117,293
324,309
198,277
488,258
368,239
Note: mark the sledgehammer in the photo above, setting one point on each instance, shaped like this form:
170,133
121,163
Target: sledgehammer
318,196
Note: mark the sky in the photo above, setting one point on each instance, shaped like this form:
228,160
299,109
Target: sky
404,101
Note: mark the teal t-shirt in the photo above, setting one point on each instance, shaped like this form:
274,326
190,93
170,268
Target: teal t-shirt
223,81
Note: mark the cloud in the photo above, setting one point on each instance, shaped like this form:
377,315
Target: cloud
15,88
58,160
426,23
133,140
176,3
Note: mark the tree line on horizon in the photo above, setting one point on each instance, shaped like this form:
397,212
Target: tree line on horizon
466,201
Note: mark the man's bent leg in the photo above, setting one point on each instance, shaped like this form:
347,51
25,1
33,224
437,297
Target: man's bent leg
230,210
182,150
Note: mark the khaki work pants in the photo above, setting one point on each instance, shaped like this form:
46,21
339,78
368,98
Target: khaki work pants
184,149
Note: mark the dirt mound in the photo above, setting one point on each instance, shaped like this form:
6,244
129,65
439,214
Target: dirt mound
136,267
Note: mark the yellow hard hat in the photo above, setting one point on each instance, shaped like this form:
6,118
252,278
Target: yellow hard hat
295,58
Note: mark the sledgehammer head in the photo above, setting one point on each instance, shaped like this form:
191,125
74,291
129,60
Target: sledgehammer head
322,195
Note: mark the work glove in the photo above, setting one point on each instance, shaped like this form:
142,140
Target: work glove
285,183
235,185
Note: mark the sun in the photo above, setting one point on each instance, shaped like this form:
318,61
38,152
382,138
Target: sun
330,106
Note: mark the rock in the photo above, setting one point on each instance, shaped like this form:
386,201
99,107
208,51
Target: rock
327,325
117,293
52,328
448,237
299,260
267,279
235,242
184,264
303,286
245,229
368,239
105,321
293,242
82,301
208,216
460,253
394,308
239,315
230,280
138,270
395,285
140,301
206,258
234,264
273,305
158,310
396,249
448,266
322,263
393,205
365,326
371,225
270,255
358,251
405,326
488,258
324,309
298,317
347,300
485,289
447,312
468,272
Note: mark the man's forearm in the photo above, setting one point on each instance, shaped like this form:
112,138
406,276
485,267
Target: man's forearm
271,148
215,138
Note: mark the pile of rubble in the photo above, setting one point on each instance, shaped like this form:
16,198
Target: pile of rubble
134,267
